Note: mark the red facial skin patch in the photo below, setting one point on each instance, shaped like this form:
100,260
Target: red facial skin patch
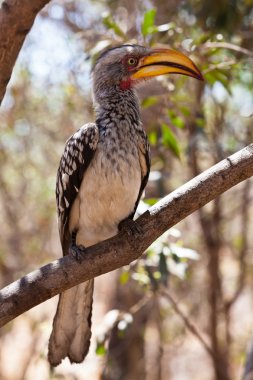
125,84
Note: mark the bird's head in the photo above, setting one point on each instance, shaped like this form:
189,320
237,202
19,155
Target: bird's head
123,67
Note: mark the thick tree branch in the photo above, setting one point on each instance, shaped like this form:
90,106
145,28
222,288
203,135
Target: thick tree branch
120,250
16,19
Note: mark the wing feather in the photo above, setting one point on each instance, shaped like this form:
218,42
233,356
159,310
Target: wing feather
77,156
144,158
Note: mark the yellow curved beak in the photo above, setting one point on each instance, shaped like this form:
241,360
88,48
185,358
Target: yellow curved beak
166,61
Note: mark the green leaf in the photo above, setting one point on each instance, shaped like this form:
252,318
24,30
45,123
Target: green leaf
178,122
202,38
237,241
124,277
200,122
151,201
100,349
170,140
148,26
152,136
110,24
149,101
210,78
185,111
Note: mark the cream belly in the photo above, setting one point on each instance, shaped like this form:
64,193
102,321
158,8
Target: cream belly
107,196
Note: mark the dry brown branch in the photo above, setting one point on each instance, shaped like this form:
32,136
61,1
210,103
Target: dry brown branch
16,20
229,46
120,250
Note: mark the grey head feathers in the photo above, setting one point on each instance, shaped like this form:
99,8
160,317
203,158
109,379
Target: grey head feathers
127,48
109,69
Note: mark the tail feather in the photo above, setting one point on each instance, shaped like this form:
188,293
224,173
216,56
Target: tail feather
71,332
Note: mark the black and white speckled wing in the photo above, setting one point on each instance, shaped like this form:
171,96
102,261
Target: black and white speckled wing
78,153
145,160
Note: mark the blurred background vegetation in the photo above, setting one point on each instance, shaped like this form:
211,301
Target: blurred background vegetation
185,309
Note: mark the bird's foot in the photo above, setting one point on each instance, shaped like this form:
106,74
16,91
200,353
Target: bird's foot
77,251
130,227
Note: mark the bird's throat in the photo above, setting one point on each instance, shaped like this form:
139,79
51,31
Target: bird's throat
116,105
125,84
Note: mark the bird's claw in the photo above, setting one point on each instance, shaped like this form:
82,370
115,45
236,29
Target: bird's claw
77,251
130,227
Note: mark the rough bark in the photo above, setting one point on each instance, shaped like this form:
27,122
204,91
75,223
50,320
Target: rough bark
120,250
16,20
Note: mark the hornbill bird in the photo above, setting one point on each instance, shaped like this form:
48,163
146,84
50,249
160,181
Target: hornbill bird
101,177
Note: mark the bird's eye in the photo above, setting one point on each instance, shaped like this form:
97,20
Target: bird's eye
132,61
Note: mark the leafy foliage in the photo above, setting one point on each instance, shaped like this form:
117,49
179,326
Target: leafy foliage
148,24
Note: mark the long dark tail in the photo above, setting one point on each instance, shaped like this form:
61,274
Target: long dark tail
71,332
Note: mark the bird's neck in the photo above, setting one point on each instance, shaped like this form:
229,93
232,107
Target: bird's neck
116,106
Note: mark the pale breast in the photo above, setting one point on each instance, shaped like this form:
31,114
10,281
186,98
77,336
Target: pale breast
107,195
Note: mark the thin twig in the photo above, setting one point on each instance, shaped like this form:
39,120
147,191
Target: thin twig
221,65
190,326
229,46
